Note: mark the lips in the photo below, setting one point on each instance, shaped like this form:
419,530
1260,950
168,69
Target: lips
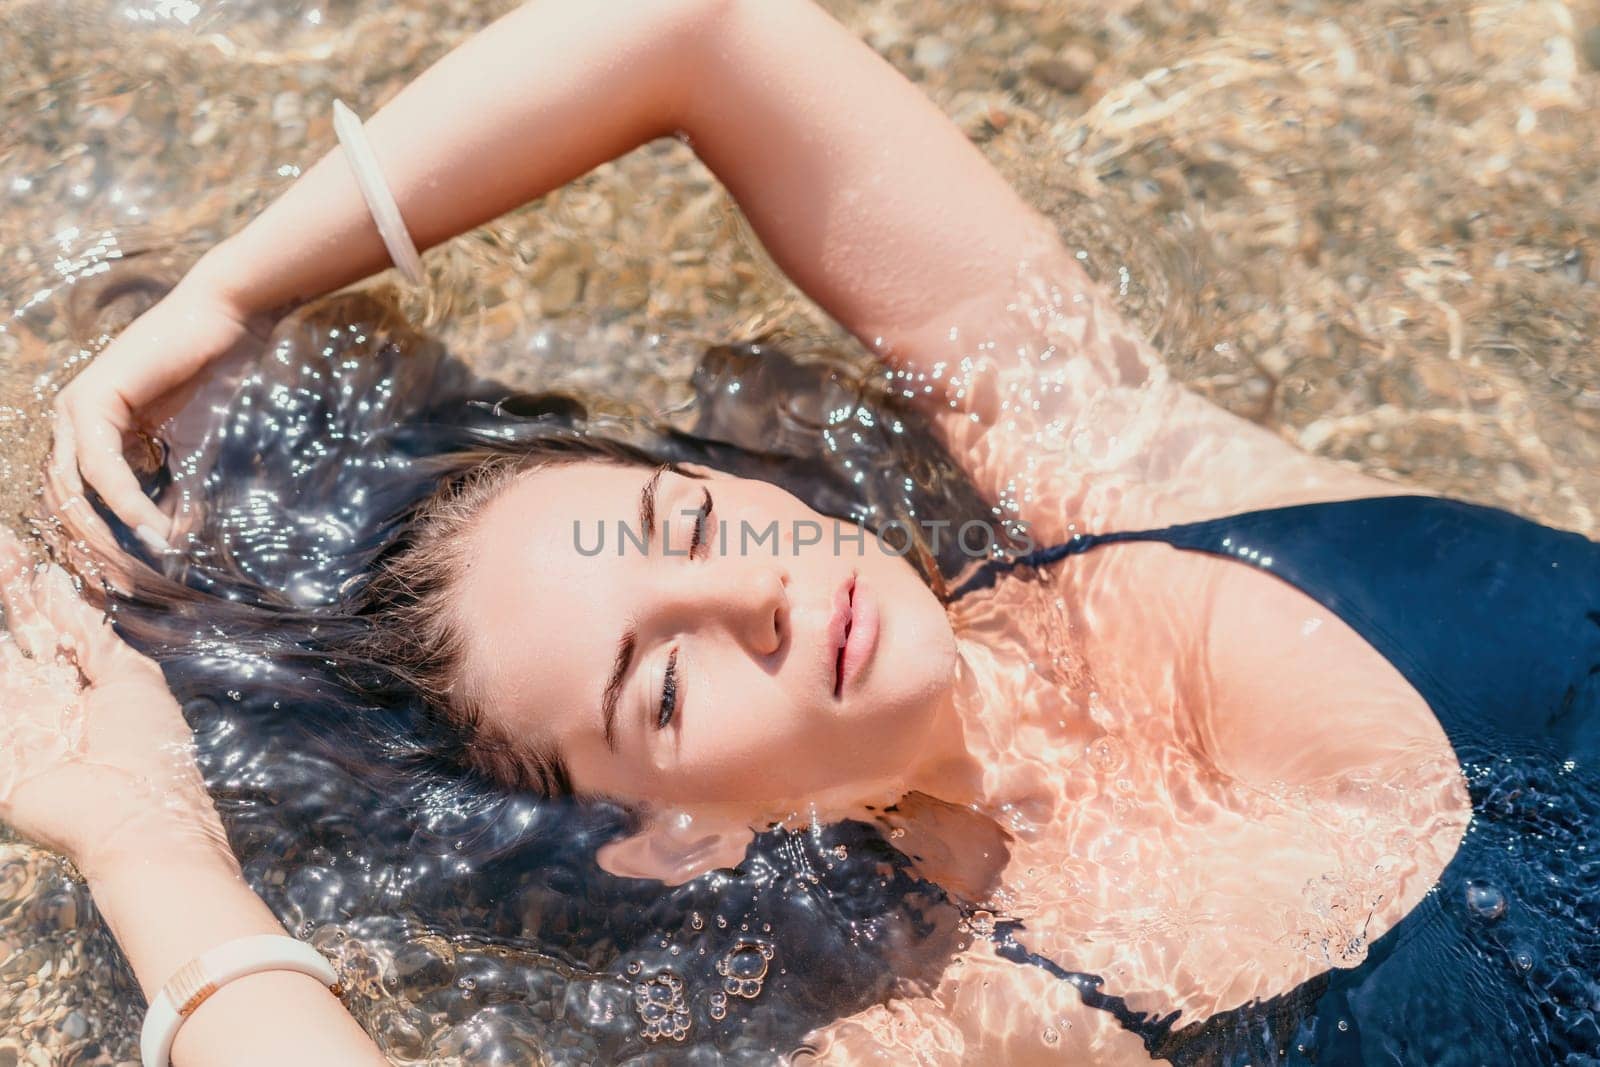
839,630
842,642
852,632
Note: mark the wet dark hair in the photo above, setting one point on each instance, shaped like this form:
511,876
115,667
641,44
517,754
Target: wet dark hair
376,819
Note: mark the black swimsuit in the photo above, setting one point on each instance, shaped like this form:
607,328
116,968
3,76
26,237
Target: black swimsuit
1495,621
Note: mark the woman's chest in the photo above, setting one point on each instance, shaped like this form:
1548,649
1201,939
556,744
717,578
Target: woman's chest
1214,790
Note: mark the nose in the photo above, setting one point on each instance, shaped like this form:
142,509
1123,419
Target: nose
747,599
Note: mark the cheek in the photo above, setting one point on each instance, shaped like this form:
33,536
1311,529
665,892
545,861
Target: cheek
916,675
742,728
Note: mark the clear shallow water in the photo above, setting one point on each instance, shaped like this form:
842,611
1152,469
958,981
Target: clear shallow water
1372,230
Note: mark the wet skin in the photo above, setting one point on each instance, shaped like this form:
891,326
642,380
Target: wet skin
732,692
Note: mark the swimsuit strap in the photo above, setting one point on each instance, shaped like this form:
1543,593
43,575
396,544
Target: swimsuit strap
1201,1042
1227,536
1246,537
990,571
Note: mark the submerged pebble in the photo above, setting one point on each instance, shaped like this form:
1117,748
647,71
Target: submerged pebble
421,969
1067,73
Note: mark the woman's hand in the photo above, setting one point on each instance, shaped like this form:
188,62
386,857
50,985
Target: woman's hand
96,760
140,380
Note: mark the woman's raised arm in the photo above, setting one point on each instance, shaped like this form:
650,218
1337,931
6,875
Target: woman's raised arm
861,189
859,186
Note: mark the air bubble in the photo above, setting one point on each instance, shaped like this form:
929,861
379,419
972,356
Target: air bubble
744,969
661,1007
1485,901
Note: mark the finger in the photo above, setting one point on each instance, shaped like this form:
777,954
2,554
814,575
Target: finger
13,558
23,621
93,554
64,492
100,458
102,568
14,572
80,628
11,657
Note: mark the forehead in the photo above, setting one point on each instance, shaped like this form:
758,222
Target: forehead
541,617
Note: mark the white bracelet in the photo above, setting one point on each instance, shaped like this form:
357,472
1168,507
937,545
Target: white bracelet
380,201
205,974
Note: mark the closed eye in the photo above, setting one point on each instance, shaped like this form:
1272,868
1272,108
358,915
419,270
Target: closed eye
669,693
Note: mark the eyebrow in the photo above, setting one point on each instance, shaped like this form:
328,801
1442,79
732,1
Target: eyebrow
629,640
613,693
647,504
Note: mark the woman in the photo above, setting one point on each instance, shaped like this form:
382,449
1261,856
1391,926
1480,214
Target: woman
1191,765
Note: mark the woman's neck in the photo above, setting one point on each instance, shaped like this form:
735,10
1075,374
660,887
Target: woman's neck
947,768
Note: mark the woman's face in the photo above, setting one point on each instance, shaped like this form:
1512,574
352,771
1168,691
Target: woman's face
770,658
